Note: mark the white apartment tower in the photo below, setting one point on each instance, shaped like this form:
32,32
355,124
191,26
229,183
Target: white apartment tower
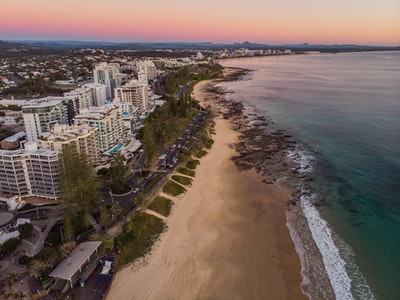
106,74
83,137
147,67
99,92
108,121
29,172
42,115
133,97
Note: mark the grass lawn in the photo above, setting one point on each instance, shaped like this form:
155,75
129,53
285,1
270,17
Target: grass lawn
173,189
187,172
182,180
161,205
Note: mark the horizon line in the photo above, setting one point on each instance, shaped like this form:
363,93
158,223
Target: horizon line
196,42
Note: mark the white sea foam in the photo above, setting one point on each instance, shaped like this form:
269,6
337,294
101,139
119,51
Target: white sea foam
334,264
302,159
338,258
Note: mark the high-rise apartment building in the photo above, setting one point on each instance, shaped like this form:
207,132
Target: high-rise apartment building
29,172
133,97
99,93
108,121
106,74
83,98
147,67
41,115
83,137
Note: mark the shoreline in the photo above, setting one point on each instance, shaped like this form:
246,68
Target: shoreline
226,237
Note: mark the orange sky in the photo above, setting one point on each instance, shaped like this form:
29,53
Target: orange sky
285,21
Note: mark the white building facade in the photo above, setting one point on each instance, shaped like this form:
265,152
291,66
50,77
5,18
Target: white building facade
42,115
106,74
108,121
99,92
29,172
83,137
147,67
133,97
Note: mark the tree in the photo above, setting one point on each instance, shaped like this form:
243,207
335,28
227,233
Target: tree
149,144
25,230
66,248
118,173
104,174
104,216
11,245
79,186
68,228
35,266
11,278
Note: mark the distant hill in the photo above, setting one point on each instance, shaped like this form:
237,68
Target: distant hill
48,45
17,48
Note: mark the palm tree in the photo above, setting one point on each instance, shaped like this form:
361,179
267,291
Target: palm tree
11,277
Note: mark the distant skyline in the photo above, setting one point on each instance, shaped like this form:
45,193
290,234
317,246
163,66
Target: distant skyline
366,22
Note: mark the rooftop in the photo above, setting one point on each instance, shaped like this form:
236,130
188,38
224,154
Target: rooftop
73,262
14,138
5,218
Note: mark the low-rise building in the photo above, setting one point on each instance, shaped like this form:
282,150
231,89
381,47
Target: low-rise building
12,142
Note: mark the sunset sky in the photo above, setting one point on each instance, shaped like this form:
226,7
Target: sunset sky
372,22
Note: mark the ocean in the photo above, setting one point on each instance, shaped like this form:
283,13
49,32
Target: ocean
344,112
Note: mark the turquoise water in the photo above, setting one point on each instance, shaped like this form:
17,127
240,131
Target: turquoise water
114,149
344,110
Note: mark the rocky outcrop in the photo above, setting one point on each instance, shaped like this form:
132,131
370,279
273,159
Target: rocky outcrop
260,147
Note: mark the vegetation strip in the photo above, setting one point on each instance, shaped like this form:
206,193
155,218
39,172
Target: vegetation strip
187,172
161,205
139,235
173,188
182,180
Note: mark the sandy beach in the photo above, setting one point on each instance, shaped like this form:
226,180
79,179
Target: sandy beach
226,239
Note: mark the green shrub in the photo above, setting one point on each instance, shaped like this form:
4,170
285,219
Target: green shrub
201,153
161,205
208,143
192,164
